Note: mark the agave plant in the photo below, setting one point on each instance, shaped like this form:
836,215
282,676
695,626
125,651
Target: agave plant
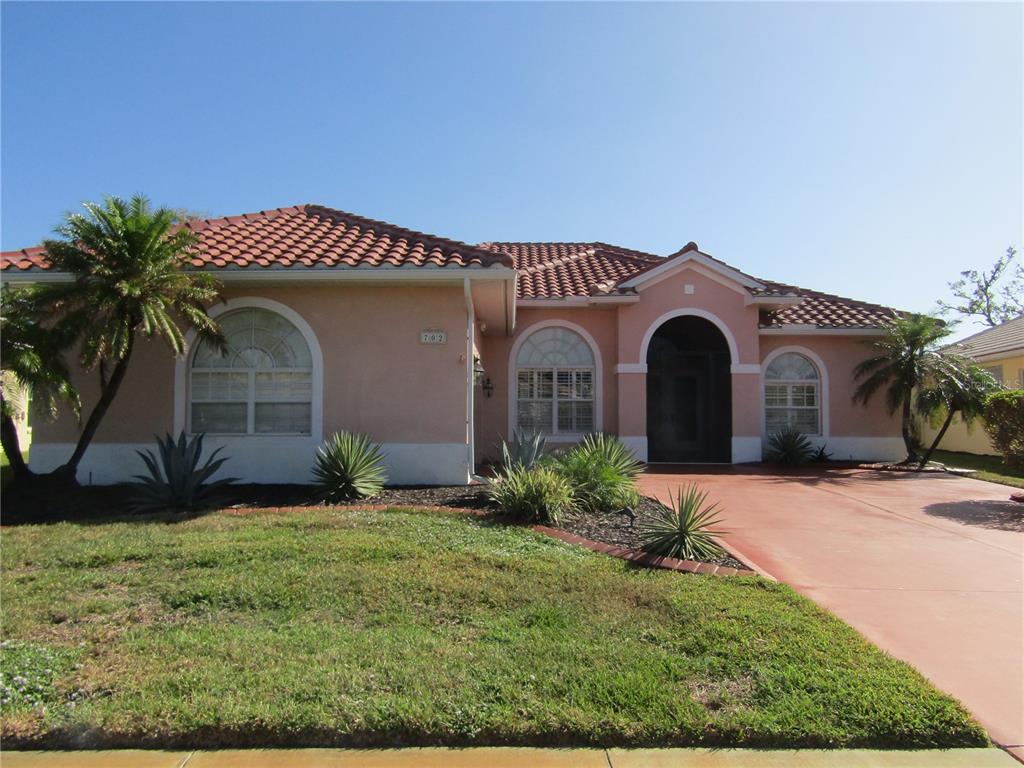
176,480
349,466
788,446
525,450
683,529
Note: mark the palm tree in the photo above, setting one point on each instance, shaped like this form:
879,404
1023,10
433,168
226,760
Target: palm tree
31,357
963,388
128,263
904,359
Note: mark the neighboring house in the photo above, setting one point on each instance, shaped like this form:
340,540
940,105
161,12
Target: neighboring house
1000,351
439,349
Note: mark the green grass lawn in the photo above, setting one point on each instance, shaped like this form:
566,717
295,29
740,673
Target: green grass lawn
347,627
989,468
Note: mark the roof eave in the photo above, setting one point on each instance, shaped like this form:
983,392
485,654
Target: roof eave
813,329
305,274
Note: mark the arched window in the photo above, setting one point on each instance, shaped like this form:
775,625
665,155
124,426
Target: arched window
261,384
792,396
555,383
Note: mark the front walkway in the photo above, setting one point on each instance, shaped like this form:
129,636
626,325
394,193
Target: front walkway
928,567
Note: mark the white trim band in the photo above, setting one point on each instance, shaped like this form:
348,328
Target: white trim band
262,459
744,368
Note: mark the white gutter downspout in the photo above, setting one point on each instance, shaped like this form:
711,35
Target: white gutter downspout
470,447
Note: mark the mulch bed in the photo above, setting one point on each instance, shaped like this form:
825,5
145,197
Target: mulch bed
624,531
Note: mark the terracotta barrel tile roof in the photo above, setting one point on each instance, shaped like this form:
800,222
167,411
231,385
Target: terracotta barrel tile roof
560,270
313,236
307,236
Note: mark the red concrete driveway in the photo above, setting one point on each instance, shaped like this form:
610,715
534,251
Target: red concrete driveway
928,567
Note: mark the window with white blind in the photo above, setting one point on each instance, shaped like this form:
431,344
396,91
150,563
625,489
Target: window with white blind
792,395
262,384
555,383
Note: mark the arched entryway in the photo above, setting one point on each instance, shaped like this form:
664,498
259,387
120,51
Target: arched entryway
689,393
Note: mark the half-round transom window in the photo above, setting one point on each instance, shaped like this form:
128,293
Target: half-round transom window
792,395
555,383
262,383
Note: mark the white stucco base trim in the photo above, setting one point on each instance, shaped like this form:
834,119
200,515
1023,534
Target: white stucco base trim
749,449
638,445
426,463
262,459
862,448
746,449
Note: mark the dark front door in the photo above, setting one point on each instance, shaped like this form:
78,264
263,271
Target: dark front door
689,403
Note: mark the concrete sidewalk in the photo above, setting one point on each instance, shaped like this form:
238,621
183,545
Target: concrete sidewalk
509,757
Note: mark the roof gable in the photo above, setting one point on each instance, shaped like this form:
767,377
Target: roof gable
687,255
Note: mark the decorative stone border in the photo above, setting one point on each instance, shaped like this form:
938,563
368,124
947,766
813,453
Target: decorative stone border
636,556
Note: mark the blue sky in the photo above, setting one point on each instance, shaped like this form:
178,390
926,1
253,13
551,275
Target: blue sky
872,150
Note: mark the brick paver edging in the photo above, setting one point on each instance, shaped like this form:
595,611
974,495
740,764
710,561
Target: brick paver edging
636,556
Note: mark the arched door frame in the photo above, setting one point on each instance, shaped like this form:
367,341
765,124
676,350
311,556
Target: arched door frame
734,354
730,340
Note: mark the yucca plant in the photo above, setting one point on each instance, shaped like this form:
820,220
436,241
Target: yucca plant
536,495
176,480
349,466
603,473
790,447
683,529
525,450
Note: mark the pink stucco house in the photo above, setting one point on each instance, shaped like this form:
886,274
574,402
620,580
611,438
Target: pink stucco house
439,349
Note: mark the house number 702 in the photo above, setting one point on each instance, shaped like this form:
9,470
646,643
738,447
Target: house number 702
433,337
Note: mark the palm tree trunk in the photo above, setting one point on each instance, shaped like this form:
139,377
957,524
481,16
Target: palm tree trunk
12,446
908,435
98,412
936,441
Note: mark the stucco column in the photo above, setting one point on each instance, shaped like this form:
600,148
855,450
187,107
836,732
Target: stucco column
632,402
746,413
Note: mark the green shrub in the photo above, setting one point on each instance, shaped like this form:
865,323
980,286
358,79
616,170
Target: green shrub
176,480
349,466
524,452
1004,422
788,446
536,495
683,530
603,473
